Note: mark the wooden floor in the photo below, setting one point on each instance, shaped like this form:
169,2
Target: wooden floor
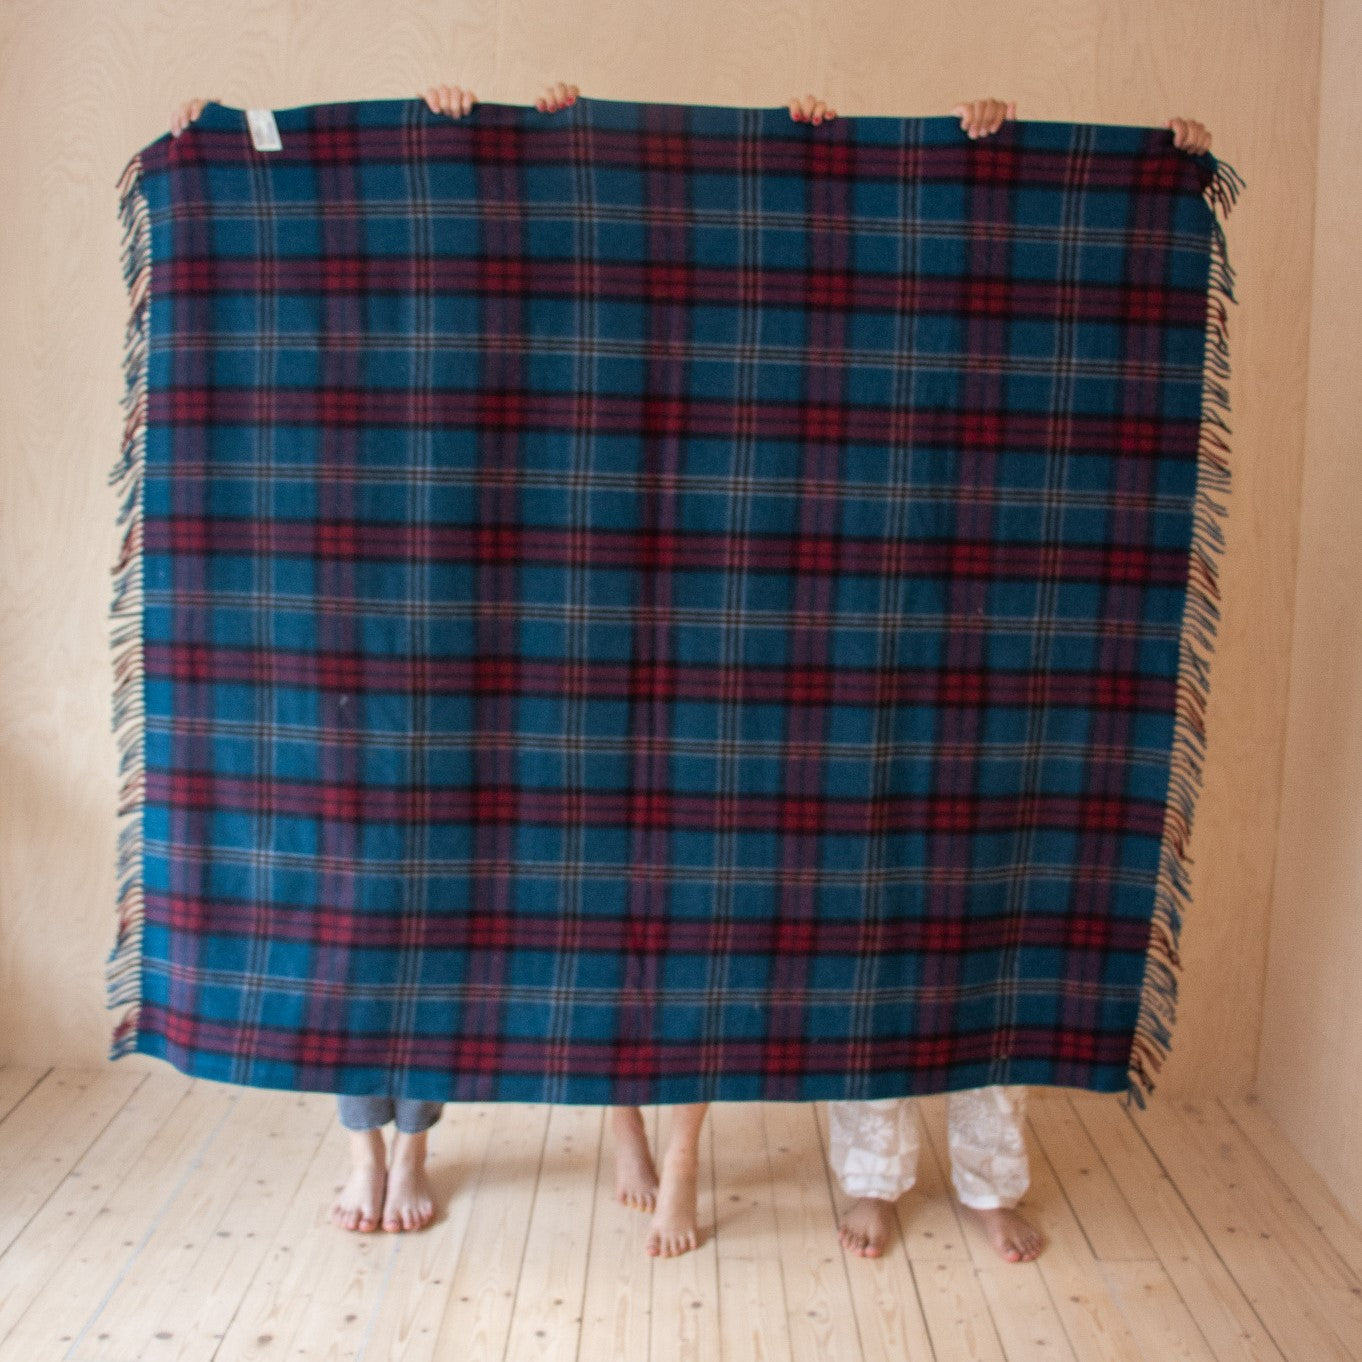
146,1217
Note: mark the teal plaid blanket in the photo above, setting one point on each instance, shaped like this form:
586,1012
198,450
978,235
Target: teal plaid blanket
652,603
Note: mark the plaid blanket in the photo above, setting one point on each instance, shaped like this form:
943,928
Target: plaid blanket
657,603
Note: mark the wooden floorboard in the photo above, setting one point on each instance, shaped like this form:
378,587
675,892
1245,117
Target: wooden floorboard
1229,1323
148,1218
1297,1180
1300,1289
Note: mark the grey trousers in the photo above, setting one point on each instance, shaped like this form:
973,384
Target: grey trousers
369,1113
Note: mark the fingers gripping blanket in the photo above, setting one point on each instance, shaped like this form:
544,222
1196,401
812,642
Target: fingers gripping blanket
655,603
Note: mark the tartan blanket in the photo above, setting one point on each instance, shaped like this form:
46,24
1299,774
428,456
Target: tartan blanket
658,603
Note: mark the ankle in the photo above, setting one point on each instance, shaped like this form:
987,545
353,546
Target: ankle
366,1149
626,1120
409,1151
683,1153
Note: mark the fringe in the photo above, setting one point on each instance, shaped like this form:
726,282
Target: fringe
123,972
1172,893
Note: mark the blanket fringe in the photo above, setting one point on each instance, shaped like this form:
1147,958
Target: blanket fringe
124,968
1159,992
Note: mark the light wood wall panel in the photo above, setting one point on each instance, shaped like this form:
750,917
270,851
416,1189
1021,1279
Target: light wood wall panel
1310,1078
83,84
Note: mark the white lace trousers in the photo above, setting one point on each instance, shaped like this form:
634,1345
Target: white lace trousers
874,1146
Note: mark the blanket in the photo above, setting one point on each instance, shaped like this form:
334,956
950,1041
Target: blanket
654,603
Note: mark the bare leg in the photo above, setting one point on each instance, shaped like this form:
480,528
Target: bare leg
635,1173
675,1229
359,1203
867,1227
1013,1237
408,1203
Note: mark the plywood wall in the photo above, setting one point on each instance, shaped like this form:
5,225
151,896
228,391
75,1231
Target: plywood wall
87,83
1311,1066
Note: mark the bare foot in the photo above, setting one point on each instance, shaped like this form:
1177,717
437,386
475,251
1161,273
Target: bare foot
635,1173
866,1228
408,1203
675,1228
1015,1239
359,1203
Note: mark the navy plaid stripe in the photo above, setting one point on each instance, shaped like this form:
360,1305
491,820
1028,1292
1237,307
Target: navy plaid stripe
655,603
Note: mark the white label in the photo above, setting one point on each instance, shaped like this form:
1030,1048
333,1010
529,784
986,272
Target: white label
264,130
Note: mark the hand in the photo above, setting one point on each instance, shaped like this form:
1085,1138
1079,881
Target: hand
811,109
186,114
453,100
1189,135
556,97
980,117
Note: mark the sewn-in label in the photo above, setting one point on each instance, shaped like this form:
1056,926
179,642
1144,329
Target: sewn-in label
264,130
